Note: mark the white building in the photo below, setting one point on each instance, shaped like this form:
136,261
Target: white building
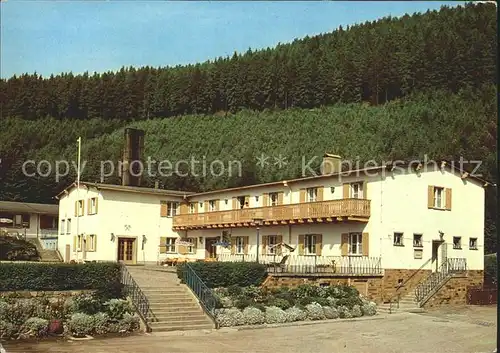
395,219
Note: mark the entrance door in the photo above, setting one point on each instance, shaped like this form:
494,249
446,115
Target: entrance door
435,255
67,253
210,248
126,250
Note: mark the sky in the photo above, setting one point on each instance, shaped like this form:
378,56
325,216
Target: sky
51,37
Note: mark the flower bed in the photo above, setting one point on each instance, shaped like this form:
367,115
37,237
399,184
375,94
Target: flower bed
80,316
254,305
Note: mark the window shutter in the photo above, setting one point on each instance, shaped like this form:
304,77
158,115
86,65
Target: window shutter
95,240
195,244
319,244
89,211
430,196
365,244
163,245
302,198
235,203
96,203
163,209
265,200
280,198
301,244
279,240
76,208
217,205
245,244
247,201
184,208
344,244
448,199
205,207
74,242
264,244
83,207
365,190
345,191
320,194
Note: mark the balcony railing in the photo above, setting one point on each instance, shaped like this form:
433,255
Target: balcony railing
48,233
310,264
354,209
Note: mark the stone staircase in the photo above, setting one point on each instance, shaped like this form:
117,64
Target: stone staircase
407,303
174,307
45,254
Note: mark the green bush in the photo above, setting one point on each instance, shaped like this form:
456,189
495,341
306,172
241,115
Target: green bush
101,321
118,308
490,269
87,303
226,274
35,327
280,303
7,329
80,324
12,249
104,277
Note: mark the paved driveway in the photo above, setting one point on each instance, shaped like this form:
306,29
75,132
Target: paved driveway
468,330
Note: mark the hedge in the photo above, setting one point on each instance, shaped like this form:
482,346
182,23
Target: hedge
61,276
225,274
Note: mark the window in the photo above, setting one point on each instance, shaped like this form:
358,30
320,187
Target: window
273,199
48,222
239,245
417,240
473,243
457,242
79,242
398,239
91,241
191,248
310,244
212,205
355,244
14,220
93,205
271,244
192,207
68,226
62,230
172,208
170,244
356,190
241,201
438,197
312,194
80,204
18,220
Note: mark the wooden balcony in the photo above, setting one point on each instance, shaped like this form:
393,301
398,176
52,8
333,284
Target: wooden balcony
310,212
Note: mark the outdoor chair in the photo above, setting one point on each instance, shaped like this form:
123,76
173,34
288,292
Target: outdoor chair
279,265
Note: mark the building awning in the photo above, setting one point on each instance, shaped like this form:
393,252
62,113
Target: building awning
25,207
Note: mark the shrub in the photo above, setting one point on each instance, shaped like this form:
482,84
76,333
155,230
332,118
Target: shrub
12,249
4,309
321,301
20,311
253,316
87,303
252,292
315,312
330,312
259,306
369,309
129,323
307,290
101,323
7,329
234,290
225,274
227,302
117,308
295,314
333,302
356,311
304,301
80,324
243,303
104,277
344,312
230,317
35,327
275,315
280,303
349,302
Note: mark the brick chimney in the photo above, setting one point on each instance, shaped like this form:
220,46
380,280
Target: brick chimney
331,164
132,157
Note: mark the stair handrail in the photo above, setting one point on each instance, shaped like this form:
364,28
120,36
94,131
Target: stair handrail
398,294
445,271
139,299
205,295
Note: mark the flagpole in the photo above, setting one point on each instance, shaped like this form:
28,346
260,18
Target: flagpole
78,197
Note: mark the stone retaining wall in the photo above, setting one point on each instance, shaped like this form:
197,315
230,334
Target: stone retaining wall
52,294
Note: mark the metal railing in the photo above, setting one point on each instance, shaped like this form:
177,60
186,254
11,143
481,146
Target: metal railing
320,209
131,289
447,269
208,300
311,264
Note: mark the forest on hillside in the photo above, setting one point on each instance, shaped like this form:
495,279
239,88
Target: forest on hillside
397,88
374,62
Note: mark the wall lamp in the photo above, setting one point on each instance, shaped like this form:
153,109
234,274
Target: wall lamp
112,236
